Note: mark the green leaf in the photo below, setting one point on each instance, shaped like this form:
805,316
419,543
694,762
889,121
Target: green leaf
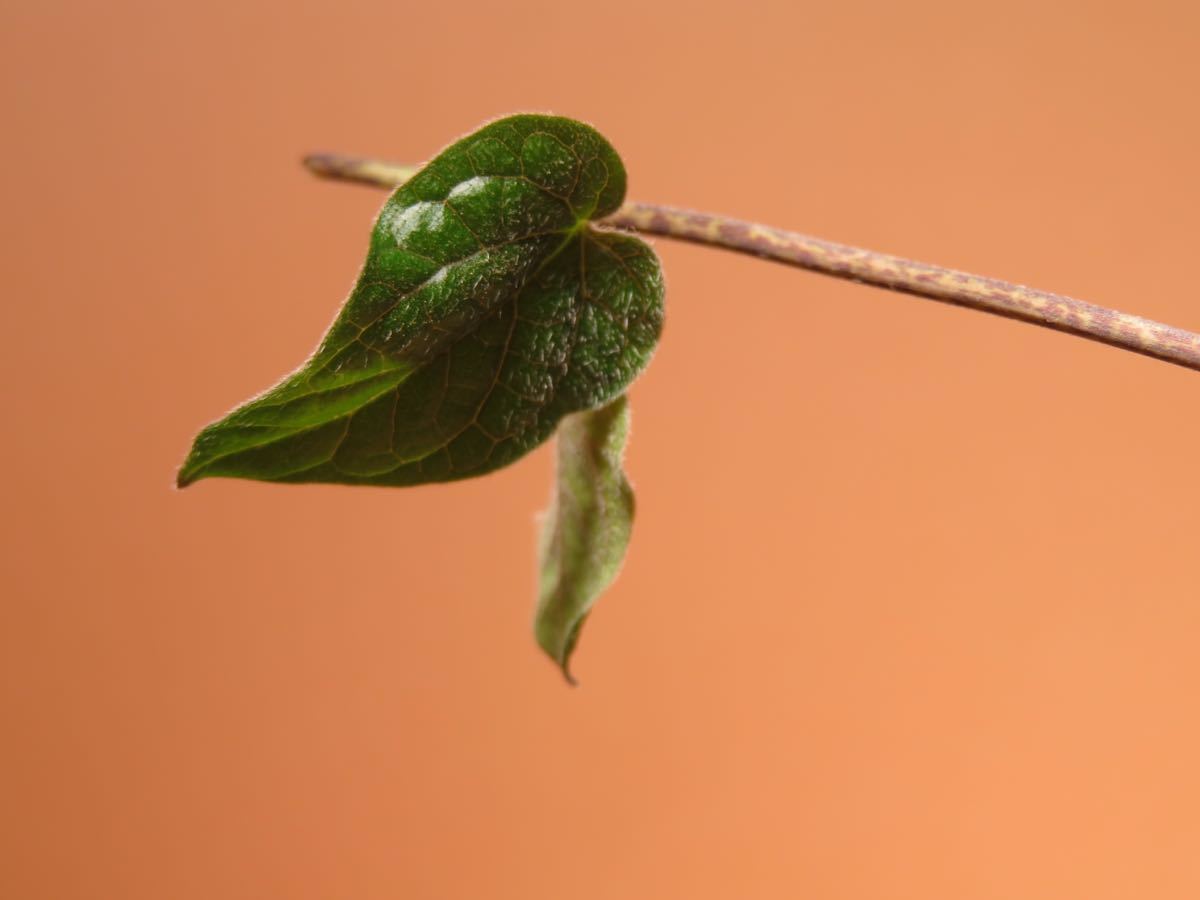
587,528
489,307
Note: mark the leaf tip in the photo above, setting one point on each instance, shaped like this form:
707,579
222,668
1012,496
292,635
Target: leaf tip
566,670
558,647
191,470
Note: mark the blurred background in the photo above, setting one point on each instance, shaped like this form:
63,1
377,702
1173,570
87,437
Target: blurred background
911,608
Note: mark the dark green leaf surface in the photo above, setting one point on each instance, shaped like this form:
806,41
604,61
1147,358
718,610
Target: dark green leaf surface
587,528
489,308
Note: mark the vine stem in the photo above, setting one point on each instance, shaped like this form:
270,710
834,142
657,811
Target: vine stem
1086,320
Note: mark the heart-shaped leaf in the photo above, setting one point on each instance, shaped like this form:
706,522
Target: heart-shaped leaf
489,308
587,528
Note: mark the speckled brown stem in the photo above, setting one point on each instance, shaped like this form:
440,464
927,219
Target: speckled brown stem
1096,323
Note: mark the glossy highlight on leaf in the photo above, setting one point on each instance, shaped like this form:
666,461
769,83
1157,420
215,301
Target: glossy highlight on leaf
586,531
489,308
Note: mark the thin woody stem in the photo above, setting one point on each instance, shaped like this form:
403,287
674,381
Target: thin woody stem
1096,323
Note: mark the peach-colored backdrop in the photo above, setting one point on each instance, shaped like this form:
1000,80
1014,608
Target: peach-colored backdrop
912,608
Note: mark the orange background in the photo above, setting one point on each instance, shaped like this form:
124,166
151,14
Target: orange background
911,609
